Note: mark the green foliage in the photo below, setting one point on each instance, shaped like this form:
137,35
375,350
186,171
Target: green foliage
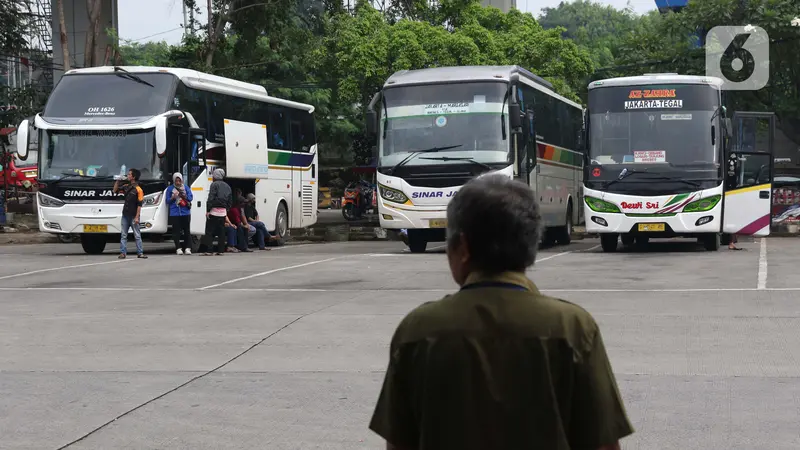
599,28
12,26
149,54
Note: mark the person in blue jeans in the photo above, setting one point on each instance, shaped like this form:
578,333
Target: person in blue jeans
131,211
251,214
179,199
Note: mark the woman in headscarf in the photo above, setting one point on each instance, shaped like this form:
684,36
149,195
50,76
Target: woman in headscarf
219,202
179,199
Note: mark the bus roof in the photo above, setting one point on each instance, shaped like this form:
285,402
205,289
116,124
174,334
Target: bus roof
656,78
205,82
462,73
458,74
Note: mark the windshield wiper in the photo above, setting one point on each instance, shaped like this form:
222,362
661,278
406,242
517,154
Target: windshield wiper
450,158
129,76
658,176
66,175
414,153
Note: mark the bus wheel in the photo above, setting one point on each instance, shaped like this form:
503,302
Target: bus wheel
564,234
416,243
609,242
711,242
93,244
281,226
627,240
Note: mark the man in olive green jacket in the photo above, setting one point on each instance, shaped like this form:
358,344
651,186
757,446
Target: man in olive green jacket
498,365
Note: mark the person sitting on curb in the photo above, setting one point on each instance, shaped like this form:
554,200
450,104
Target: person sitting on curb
251,215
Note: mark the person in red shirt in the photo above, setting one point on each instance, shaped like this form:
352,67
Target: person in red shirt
237,234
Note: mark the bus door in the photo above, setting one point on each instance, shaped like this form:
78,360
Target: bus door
195,172
747,207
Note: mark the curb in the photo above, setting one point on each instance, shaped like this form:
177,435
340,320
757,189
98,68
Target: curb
27,238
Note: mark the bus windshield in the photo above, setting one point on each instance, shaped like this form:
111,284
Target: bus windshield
98,153
110,95
464,115
654,125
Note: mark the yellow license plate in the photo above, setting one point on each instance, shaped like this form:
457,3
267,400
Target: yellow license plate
438,223
95,228
652,227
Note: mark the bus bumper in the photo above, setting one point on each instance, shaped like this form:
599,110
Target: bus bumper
681,224
97,218
394,216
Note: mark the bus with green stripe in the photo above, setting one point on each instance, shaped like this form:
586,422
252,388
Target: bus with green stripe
437,128
100,122
665,160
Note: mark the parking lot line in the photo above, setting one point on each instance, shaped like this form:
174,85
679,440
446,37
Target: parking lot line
281,269
53,269
144,289
762,265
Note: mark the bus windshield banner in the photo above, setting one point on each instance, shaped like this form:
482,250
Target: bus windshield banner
689,97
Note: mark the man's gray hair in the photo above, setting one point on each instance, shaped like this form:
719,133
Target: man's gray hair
499,219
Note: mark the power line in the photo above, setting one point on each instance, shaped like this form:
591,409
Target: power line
153,35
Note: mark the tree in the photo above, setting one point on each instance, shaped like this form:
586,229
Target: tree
598,28
12,26
148,54
62,26
93,10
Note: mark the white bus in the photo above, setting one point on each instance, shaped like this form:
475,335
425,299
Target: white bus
437,128
100,122
659,146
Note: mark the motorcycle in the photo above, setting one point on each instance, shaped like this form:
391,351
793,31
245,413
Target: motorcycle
358,199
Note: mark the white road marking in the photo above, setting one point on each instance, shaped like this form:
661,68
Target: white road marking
762,265
553,256
53,269
281,269
143,289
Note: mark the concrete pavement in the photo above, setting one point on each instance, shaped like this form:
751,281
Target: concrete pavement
286,349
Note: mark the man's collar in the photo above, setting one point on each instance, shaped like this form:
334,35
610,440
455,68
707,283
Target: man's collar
517,278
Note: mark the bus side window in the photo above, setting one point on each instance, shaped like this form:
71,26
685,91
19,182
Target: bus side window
278,137
303,135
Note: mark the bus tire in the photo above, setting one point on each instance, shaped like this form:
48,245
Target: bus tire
281,226
93,244
416,243
609,242
563,235
711,242
627,240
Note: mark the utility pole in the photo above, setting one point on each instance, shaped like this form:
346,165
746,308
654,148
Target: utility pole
185,19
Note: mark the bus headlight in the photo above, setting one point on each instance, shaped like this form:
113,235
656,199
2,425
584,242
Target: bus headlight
704,204
393,195
601,205
152,199
49,202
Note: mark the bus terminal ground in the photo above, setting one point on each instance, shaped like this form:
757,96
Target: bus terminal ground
286,349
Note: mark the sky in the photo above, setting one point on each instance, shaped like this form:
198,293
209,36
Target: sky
160,20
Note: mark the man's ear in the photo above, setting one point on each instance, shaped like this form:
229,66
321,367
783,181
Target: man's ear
463,248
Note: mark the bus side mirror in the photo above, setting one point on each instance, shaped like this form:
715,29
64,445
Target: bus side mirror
514,116
372,122
161,136
23,139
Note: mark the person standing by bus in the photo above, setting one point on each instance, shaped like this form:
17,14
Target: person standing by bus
218,203
179,199
131,212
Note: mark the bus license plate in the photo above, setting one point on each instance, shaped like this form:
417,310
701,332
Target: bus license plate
652,227
438,223
95,228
